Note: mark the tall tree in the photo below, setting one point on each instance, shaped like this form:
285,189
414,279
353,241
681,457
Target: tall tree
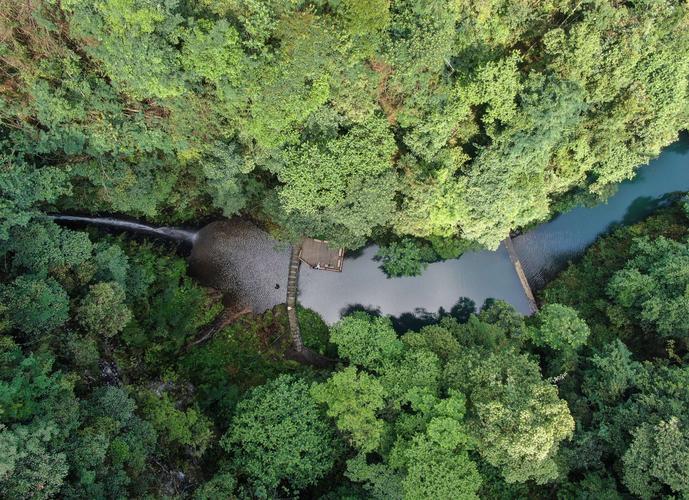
278,439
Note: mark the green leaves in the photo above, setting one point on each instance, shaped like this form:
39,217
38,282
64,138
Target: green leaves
34,305
132,46
223,170
346,120
28,459
212,51
112,446
405,257
613,373
23,188
353,399
103,311
38,412
406,408
472,119
658,457
106,311
364,17
559,327
366,341
437,470
343,187
520,419
187,427
522,429
279,435
44,247
652,287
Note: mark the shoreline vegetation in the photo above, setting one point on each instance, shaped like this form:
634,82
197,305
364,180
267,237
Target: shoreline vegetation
432,127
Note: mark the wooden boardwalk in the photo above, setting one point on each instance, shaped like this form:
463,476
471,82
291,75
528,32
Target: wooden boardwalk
292,289
299,351
520,273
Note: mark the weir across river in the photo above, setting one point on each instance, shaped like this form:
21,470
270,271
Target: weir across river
520,274
542,251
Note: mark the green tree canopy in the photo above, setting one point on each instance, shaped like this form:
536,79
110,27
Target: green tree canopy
651,289
279,438
439,119
657,457
560,327
412,415
34,305
38,412
369,342
342,187
103,310
404,258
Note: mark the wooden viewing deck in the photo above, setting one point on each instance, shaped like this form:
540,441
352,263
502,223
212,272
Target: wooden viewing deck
319,255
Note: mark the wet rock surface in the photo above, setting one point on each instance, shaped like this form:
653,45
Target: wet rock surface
243,261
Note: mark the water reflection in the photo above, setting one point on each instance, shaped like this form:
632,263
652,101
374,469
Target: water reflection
476,276
419,317
243,261
246,263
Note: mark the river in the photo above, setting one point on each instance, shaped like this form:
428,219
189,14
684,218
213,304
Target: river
479,275
243,261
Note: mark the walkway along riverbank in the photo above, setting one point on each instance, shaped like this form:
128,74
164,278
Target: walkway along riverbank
239,259
301,353
520,274
292,291
249,266
243,261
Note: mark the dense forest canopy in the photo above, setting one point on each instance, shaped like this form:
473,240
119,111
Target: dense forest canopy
107,392
345,120
627,389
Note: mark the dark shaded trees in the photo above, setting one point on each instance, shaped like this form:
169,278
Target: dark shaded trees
75,316
40,412
34,305
401,121
627,390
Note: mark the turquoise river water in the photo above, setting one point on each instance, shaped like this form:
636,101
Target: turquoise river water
480,275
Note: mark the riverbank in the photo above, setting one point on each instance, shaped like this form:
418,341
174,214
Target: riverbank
547,249
478,275
251,268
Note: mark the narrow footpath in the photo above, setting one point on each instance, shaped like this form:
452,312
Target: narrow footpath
299,352
292,288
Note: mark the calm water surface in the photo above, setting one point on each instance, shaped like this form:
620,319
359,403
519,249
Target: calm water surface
485,274
476,275
547,248
245,262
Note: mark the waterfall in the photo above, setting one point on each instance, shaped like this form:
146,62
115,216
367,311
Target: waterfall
173,233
